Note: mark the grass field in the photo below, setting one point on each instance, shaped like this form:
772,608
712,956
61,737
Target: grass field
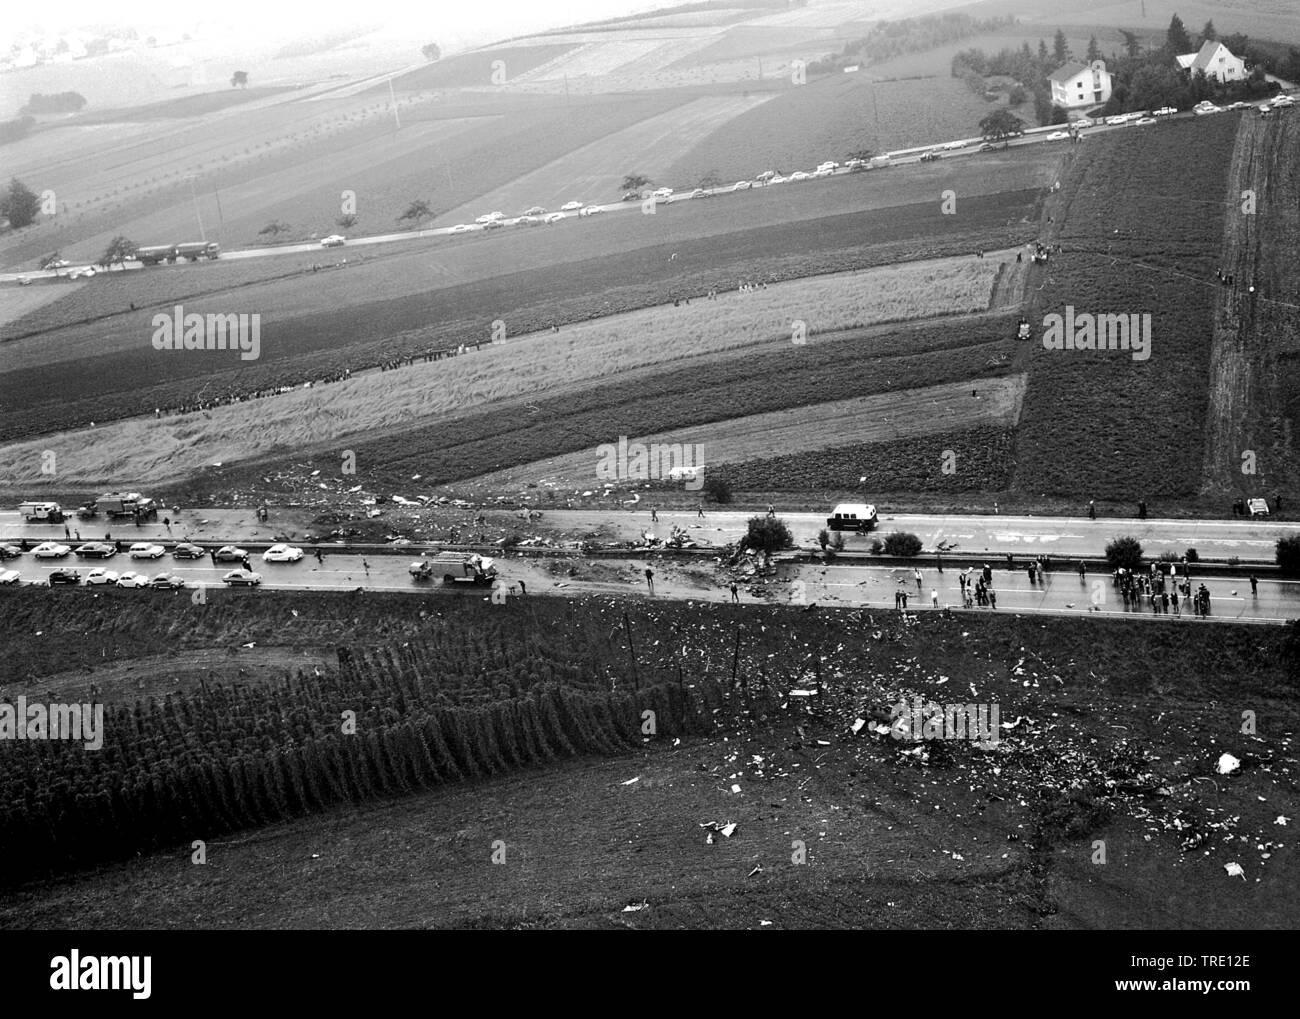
150,451
994,838
1136,240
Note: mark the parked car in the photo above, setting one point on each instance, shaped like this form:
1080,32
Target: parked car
64,577
930,157
97,550
86,271
1083,122
282,554
1058,136
1145,120
167,582
99,575
590,210
50,550
9,577
1165,111
58,263
570,206
631,196
231,554
852,517
800,175
553,217
528,220
536,210
245,578
461,228
88,511
10,552
699,193
333,241
186,550
129,579
147,550
741,185
989,147
1283,100
662,192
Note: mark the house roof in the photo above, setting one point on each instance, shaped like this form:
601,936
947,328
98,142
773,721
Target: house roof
1068,72
1203,56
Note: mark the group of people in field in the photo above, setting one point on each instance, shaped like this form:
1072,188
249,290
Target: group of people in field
254,394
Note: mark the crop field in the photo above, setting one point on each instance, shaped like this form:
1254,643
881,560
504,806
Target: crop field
1136,240
394,310
148,450
1099,750
831,117
903,357
468,70
813,436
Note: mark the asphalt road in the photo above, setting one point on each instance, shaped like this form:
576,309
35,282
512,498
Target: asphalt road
902,158
848,585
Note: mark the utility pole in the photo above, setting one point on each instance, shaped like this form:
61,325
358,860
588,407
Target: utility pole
198,215
393,98
221,219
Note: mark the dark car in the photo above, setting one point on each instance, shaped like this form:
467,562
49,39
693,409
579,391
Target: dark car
88,511
930,157
64,577
10,551
186,550
167,581
989,147
96,550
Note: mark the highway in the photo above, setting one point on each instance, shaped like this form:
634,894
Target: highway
799,583
1034,136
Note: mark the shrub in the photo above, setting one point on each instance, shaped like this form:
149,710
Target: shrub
1288,555
837,542
768,535
1192,557
1124,552
877,546
823,538
718,489
902,543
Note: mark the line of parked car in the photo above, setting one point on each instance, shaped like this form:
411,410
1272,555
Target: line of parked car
278,553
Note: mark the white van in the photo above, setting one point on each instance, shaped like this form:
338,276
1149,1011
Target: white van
852,516
49,512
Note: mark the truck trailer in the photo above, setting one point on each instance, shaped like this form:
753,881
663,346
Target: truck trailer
156,254
455,568
195,250
126,504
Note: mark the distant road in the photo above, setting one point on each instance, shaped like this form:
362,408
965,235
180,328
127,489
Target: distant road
905,157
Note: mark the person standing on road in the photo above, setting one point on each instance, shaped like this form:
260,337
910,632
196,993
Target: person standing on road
650,580
66,533
934,597
917,575
898,599
1083,571
1254,586
735,594
771,510
699,512
78,534
1173,600
320,558
993,598
1092,510
523,588
654,515
366,566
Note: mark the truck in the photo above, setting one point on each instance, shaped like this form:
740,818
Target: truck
126,504
877,162
46,512
852,516
156,254
455,568
194,250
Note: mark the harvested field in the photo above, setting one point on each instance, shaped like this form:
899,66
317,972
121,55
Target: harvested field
732,446
150,451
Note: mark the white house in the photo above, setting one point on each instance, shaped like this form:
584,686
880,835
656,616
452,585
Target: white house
1216,60
1077,85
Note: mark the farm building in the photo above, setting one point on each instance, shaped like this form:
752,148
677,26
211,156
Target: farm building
1216,60
1077,85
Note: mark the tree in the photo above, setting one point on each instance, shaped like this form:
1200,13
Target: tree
1017,96
1176,38
417,210
1288,555
635,182
1132,44
1094,50
902,543
1060,48
239,78
1208,34
1001,126
767,535
431,51
118,251
1043,56
274,228
19,204
1124,552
